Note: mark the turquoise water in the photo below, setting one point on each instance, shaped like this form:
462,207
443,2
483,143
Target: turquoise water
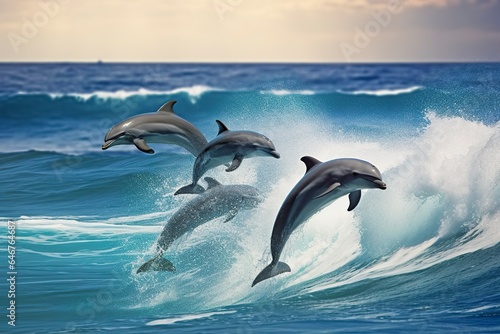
421,256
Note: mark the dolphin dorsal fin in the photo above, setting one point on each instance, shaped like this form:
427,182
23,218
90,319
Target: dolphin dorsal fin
212,183
168,107
310,162
222,127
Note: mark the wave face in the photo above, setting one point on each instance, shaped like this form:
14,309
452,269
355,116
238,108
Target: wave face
419,256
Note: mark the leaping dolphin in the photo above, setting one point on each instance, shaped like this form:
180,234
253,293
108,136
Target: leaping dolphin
164,126
218,200
228,147
323,183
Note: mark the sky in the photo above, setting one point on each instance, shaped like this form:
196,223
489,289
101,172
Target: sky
250,30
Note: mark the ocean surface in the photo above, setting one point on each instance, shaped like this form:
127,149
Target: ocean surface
422,256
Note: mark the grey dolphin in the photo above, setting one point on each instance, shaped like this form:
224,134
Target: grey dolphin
164,126
218,200
323,183
228,147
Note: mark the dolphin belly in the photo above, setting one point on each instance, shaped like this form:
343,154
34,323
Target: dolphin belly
187,143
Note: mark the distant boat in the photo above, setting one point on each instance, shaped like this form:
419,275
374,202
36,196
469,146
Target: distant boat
100,62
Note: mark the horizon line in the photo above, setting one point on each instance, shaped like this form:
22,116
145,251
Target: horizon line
99,62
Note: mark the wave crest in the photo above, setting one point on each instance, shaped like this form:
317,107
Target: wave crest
385,92
285,92
193,92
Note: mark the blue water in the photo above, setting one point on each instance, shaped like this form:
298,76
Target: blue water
421,256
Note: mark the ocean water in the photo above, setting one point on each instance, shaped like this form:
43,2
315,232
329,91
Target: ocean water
422,256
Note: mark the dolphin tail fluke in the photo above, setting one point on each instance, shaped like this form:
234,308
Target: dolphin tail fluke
158,263
271,271
190,189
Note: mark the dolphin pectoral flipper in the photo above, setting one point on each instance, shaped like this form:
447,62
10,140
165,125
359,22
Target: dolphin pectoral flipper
329,190
141,145
158,263
354,198
235,164
231,215
271,271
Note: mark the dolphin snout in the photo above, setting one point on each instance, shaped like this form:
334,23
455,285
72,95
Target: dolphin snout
251,201
259,198
107,144
275,154
380,184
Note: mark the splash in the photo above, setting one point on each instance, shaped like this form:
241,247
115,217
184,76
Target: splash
442,202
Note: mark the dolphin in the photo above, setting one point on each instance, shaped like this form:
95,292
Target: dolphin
323,183
228,147
164,126
218,200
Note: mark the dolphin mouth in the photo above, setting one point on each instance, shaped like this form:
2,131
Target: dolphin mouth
258,199
109,141
107,144
380,184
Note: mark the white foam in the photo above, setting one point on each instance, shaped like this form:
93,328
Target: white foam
284,92
139,218
74,226
438,184
186,317
194,93
385,92
328,241
481,308
447,188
